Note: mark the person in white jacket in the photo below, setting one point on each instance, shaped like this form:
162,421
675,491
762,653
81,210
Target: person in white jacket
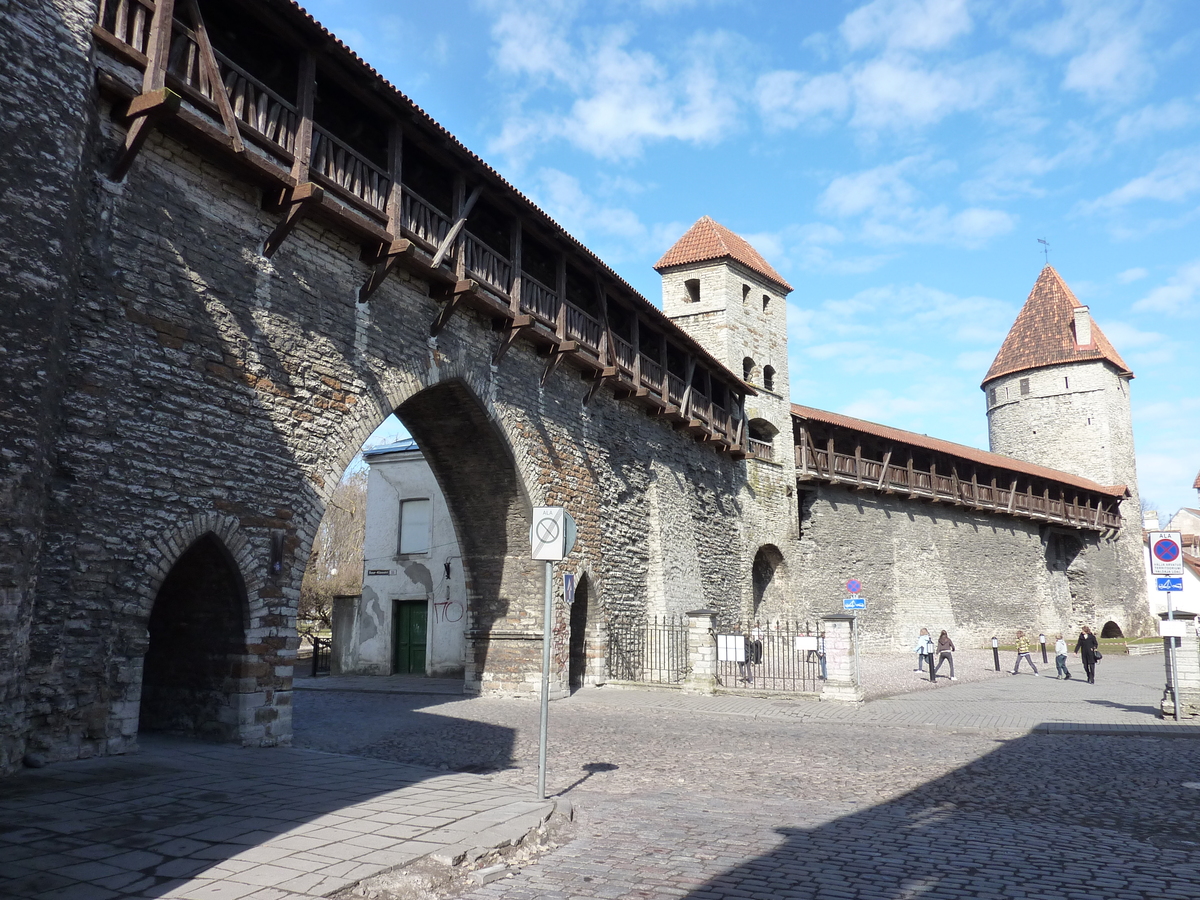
924,649
1060,658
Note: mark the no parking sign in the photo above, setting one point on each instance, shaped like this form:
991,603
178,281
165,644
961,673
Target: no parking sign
1166,554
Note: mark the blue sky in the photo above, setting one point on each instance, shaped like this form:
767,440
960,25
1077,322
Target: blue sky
895,160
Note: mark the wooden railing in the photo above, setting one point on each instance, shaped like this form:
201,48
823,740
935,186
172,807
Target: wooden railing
675,389
652,374
128,21
486,264
583,328
761,449
845,468
346,168
700,407
422,220
623,353
538,300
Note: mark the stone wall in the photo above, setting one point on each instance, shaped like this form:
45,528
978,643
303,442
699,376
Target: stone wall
210,389
933,565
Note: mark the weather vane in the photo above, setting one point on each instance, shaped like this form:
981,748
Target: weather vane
1045,249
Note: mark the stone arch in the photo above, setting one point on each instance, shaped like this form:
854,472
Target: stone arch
747,368
1111,630
481,478
196,653
582,617
769,579
761,430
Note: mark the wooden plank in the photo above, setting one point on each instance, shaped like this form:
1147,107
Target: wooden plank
306,94
887,459
150,109
397,251
209,61
301,201
452,234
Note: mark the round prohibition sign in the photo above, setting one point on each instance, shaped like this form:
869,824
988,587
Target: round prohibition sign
854,585
546,531
1166,550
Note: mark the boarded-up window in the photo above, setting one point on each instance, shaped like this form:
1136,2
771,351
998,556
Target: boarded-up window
1024,386
415,525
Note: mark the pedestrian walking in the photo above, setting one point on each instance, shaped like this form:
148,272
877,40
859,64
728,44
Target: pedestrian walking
1023,654
924,649
945,650
1060,659
1089,650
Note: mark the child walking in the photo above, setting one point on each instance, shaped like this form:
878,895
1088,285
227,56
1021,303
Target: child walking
1060,658
1023,654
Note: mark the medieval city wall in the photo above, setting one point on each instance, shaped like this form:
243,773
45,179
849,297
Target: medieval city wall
937,566
212,390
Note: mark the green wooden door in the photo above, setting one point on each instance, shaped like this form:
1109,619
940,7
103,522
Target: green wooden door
410,623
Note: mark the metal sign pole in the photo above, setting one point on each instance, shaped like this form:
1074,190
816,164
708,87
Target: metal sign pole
547,612
1171,658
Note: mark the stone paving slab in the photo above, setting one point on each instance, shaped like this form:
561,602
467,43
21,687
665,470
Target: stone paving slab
186,820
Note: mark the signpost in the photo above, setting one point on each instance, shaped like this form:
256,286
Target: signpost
1166,559
551,537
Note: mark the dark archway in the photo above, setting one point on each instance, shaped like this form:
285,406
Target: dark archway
1111,630
197,646
769,577
578,648
485,496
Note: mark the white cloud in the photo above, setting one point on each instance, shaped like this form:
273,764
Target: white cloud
1105,46
906,24
1180,296
1176,177
786,99
890,207
562,196
1150,120
1131,275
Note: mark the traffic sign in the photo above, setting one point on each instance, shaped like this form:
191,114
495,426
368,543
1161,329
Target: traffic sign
1170,584
569,587
854,603
854,585
1166,556
552,534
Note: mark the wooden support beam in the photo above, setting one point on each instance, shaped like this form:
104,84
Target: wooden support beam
209,61
912,478
306,96
453,296
883,479
1012,495
452,234
391,255
146,111
300,201
933,489
858,465
557,354
511,332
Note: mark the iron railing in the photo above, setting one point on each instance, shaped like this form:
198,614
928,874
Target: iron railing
770,656
652,652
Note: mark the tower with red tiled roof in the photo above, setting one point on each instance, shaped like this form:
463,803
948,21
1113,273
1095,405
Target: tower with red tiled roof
726,296
1058,391
1058,396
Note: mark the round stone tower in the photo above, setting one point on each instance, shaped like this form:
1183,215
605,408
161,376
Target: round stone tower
1058,395
720,290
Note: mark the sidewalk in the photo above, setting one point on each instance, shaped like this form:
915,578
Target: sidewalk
1123,701
188,820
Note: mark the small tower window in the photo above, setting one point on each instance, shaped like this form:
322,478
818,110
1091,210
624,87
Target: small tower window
769,378
1024,386
1067,383
693,290
992,397
747,368
766,301
745,294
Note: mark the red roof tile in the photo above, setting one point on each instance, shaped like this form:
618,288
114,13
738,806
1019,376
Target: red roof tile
971,454
1196,483
1044,333
709,240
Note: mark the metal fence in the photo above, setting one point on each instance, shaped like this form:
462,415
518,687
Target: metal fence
322,648
654,651
770,656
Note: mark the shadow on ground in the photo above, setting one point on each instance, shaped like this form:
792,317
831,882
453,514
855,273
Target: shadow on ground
1018,822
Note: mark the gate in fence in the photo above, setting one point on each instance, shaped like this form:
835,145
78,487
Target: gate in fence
653,651
770,656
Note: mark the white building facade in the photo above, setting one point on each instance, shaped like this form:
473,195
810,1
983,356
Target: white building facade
411,617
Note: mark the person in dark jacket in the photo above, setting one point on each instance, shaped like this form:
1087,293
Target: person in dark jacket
1087,646
945,648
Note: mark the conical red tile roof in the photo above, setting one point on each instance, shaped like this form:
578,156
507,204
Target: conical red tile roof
1196,483
1044,333
709,240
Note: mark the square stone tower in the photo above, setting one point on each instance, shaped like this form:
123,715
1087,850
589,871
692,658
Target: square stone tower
720,290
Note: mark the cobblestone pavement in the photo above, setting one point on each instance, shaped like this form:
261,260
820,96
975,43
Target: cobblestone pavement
959,792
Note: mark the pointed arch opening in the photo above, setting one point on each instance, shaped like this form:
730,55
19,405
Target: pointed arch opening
580,619
769,577
197,646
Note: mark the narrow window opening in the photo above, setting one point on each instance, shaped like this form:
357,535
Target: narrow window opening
992,397
1024,386
769,378
766,301
1067,383
745,294
414,526
693,290
747,368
